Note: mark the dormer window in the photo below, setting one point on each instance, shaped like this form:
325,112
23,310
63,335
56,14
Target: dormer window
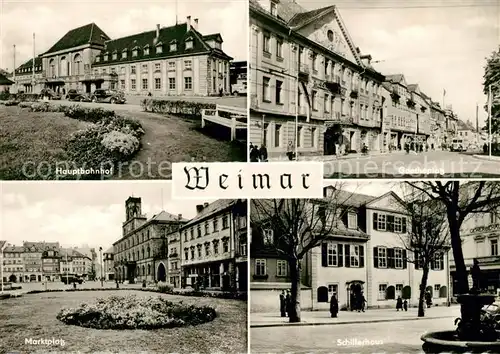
97,59
115,55
274,8
146,49
189,43
106,57
159,48
124,54
173,46
135,51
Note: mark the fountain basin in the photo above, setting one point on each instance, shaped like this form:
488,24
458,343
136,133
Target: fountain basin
448,342
479,300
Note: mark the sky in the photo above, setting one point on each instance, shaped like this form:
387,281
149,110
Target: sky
439,44
51,19
79,213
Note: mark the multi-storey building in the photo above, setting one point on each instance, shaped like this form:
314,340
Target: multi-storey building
109,264
438,126
5,83
13,264
174,258
480,234
364,254
211,254
166,61
33,262
422,110
305,67
142,251
451,124
73,262
50,260
469,134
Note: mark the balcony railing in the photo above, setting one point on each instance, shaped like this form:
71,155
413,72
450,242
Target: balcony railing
492,227
304,68
338,118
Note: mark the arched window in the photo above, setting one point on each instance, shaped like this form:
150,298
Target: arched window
148,252
149,269
390,293
78,65
406,293
63,67
323,294
52,68
143,270
142,250
443,291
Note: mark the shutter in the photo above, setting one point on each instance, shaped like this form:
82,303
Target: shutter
340,253
417,260
390,223
375,257
361,256
345,217
431,265
347,253
404,259
375,221
390,258
404,225
324,254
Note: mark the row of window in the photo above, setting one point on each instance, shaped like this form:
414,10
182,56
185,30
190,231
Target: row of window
493,247
12,269
146,50
206,228
29,69
301,136
342,255
172,66
207,247
388,222
261,268
188,84
13,255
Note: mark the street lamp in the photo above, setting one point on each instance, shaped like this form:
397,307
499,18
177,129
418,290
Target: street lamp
3,244
100,251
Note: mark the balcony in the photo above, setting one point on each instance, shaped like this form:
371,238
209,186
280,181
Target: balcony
395,95
304,72
410,103
354,92
423,109
338,119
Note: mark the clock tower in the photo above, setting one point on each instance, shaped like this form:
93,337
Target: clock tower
133,215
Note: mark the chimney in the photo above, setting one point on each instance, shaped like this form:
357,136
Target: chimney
199,208
188,23
205,205
179,216
157,30
196,24
366,59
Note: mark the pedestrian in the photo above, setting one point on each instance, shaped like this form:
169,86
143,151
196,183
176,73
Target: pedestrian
399,304
288,303
363,302
428,299
334,306
117,284
221,90
263,153
283,304
405,305
254,154
289,151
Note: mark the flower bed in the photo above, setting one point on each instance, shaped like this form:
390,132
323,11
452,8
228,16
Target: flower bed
92,115
132,312
179,108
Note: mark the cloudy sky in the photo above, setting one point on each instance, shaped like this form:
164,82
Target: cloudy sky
75,214
439,44
51,19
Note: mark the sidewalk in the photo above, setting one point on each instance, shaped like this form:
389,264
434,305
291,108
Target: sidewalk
327,158
487,158
317,318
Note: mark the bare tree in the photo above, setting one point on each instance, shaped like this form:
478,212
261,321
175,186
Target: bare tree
298,225
458,201
427,238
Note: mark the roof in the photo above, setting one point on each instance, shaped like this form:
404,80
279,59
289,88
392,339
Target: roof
110,250
212,37
412,87
4,80
88,34
396,78
29,65
347,198
164,216
41,246
13,249
288,9
178,34
71,253
465,125
303,18
211,209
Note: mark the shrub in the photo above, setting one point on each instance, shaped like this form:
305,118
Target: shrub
92,115
132,312
181,108
4,95
11,103
26,97
119,143
165,288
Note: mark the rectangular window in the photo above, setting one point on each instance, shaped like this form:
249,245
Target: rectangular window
354,256
122,85
313,137
132,69
299,136
279,47
382,257
333,289
398,224
216,226
207,229
268,236
399,290
191,233
398,258
438,263
382,289
279,86
277,135
267,41
266,89
314,98
144,68
132,84
171,66
225,245
173,47
159,49
494,247
326,103
188,64
157,67
381,222
157,83
281,268
189,45
199,231
260,267
171,83
332,255
436,290
145,84
352,221
188,83
225,222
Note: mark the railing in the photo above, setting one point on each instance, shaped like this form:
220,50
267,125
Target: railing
492,227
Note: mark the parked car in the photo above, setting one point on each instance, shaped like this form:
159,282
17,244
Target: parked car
74,95
50,94
239,89
108,96
457,145
71,279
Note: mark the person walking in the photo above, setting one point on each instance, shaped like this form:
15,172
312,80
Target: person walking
283,304
334,306
399,304
289,151
405,305
263,153
363,302
288,303
254,154
428,299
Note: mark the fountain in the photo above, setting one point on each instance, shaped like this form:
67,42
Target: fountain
474,333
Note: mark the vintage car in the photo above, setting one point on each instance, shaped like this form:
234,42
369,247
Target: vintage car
49,94
108,96
74,95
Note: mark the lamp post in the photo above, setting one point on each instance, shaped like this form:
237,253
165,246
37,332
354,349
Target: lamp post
3,244
102,270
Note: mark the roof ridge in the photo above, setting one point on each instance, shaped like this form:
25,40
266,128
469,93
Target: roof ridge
91,31
143,32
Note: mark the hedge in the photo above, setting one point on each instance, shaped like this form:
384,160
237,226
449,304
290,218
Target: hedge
179,108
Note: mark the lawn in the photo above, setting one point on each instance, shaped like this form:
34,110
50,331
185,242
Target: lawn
38,139
34,316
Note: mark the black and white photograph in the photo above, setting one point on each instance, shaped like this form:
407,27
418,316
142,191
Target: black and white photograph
121,90
377,267
121,268
377,89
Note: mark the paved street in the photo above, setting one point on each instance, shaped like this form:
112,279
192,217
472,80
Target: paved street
59,285
386,337
434,164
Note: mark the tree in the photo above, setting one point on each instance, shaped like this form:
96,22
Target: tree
492,77
296,227
459,200
427,238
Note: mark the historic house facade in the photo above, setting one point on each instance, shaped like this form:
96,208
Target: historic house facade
73,263
166,61
109,264
13,264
